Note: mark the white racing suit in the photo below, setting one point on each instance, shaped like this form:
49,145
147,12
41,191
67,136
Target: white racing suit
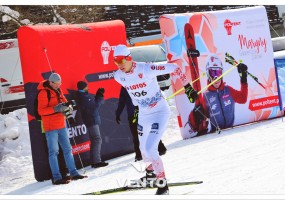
154,112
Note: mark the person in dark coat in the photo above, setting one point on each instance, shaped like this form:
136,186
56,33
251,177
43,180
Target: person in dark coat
89,108
125,100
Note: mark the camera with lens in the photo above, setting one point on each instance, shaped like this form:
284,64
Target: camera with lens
68,111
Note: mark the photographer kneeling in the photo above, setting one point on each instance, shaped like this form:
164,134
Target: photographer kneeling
52,113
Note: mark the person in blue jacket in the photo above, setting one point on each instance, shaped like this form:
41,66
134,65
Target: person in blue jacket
125,100
89,108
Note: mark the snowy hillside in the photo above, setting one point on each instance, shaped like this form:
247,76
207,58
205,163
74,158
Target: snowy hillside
247,160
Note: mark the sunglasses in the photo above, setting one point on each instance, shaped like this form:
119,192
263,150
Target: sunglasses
118,60
215,73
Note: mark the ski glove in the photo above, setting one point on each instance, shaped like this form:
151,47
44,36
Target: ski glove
191,93
100,92
242,70
136,115
60,108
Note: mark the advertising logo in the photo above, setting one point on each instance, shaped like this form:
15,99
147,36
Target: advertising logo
228,25
256,44
105,51
157,67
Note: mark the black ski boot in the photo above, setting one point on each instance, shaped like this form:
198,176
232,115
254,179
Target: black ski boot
60,181
162,187
148,180
77,177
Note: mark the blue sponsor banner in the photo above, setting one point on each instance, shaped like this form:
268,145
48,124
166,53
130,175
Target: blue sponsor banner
280,77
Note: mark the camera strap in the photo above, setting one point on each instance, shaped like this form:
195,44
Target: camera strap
58,92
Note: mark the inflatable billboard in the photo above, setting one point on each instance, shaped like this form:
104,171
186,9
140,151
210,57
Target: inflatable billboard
77,52
208,44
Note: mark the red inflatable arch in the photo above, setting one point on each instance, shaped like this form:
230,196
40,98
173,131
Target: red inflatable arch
76,52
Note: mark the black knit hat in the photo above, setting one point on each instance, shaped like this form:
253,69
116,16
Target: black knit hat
81,85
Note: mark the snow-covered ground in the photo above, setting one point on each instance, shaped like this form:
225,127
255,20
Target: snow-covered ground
246,162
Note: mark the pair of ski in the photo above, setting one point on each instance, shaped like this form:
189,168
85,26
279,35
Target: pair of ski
192,54
135,187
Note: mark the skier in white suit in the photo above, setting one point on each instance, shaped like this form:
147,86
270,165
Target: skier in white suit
152,110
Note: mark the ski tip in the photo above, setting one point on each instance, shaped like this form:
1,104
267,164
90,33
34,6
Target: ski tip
198,182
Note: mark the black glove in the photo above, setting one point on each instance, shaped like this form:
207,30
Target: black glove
136,115
118,119
191,93
100,92
242,69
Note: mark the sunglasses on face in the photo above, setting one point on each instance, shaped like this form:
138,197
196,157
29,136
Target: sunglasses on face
215,73
120,59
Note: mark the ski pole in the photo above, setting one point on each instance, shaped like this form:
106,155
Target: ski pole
83,169
225,73
181,89
231,60
256,79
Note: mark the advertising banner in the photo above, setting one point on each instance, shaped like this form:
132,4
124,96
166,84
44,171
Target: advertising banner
208,46
77,52
280,72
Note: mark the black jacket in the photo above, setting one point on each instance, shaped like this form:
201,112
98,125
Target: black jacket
89,108
125,100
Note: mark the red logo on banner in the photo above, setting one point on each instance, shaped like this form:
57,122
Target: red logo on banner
3,80
15,89
266,102
228,25
80,148
7,45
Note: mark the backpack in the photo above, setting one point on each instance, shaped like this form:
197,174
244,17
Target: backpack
36,102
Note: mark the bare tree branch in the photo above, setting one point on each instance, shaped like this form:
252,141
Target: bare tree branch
53,11
8,34
13,18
